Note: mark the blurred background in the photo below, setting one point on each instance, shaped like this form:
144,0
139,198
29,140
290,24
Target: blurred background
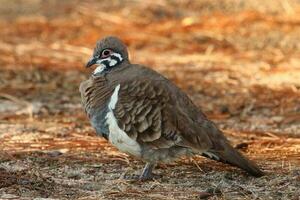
238,60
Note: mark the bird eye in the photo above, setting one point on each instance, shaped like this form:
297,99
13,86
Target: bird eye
105,53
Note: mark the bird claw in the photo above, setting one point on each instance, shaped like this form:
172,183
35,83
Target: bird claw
149,177
141,178
131,177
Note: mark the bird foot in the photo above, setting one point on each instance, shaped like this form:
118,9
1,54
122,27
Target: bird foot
141,178
130,177
149,177
146,174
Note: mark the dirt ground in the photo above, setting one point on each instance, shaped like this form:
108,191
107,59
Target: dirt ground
238,60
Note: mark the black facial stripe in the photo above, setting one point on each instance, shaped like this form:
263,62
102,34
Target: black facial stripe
116,58
106,63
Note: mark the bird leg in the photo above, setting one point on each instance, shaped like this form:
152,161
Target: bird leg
147,172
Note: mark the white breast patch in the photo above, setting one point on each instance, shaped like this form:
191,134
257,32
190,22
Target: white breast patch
116,135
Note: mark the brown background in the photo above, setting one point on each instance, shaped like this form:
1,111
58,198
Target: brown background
238,60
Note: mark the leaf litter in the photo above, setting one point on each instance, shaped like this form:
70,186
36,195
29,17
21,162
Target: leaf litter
238,60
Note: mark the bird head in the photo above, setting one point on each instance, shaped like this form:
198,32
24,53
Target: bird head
109,53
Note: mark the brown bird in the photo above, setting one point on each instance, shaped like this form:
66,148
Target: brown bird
144,114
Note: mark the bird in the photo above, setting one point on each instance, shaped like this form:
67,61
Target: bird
145,115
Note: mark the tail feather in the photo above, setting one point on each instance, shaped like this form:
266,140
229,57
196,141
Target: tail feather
233,157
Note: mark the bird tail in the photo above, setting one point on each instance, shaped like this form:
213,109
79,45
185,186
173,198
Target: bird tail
232,156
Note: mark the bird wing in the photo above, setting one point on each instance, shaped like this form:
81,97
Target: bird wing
159,114
156,112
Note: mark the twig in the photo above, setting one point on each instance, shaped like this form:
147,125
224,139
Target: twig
27,104
193,161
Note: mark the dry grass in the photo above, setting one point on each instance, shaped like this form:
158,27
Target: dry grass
238,60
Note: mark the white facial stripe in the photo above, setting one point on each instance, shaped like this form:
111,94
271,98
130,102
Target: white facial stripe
117,55
112,62
99,69
102,60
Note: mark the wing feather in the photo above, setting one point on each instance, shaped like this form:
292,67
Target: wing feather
149,112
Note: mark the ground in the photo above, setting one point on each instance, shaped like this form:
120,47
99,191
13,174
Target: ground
238,60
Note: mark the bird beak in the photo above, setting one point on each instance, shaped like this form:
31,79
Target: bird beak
91,62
